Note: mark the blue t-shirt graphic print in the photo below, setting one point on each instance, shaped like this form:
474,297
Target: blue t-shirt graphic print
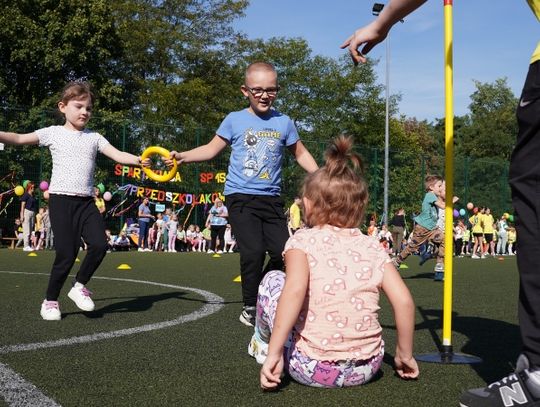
257,145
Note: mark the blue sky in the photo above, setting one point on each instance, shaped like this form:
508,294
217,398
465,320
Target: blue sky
492,39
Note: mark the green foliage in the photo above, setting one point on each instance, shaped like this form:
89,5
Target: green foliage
167,72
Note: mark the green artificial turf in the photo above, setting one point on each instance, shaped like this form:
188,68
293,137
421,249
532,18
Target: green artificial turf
205,363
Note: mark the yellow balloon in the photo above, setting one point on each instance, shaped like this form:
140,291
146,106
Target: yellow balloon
151,174
19,190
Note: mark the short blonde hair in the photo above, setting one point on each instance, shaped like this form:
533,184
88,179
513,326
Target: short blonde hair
260,66
338,191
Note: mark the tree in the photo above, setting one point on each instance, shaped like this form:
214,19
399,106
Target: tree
493,126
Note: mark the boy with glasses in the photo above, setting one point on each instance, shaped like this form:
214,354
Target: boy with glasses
257,136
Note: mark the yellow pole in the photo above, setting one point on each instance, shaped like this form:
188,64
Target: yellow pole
449,175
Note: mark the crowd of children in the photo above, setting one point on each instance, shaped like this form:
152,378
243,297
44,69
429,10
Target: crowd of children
38,236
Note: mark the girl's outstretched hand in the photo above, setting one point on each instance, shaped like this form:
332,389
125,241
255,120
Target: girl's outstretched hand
146,162
406,368
271,372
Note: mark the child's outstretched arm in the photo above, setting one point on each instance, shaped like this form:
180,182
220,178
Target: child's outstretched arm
18,139
289,306
122,157
303,157
403,305
202,153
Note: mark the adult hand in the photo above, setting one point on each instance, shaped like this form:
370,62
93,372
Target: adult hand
366,37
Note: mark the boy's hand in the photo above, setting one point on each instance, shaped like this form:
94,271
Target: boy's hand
455,199
406,368
174,155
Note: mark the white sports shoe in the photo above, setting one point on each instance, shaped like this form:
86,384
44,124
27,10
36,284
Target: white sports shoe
140,249
81,297
219,252
28,249
50,311
258,350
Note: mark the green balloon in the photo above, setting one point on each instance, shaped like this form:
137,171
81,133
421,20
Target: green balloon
101,188
25,183
511,218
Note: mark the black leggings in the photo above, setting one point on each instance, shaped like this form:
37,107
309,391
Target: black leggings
215,232
74,217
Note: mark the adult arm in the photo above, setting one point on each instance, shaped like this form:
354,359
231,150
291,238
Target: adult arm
23,206
370,35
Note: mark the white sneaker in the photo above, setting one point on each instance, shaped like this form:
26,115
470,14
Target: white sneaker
140,249
210,252
258,350
475,256
147,249
231,251
439,267
219,252
81,297
50,311
28,249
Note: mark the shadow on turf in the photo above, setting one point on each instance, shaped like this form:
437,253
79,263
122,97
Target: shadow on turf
428,276
133,304
497,343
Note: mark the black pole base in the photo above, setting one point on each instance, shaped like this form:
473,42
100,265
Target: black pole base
447,356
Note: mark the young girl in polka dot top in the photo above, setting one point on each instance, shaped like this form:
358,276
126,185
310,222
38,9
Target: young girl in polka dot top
324,330
73,213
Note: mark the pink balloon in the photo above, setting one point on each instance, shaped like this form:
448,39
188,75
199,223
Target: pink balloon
44,185
107,196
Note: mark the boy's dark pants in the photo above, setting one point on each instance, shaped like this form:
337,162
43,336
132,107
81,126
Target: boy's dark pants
259,225
73,217
525,184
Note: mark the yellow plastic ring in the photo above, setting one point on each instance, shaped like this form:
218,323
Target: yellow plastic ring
167,176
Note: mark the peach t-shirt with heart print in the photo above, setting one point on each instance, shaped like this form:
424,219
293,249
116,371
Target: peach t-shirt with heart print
339,320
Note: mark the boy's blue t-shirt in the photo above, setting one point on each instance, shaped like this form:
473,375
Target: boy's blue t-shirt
428,217
257,145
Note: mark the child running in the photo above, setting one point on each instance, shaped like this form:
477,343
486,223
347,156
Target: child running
319,320
425,230
73,213
257,137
